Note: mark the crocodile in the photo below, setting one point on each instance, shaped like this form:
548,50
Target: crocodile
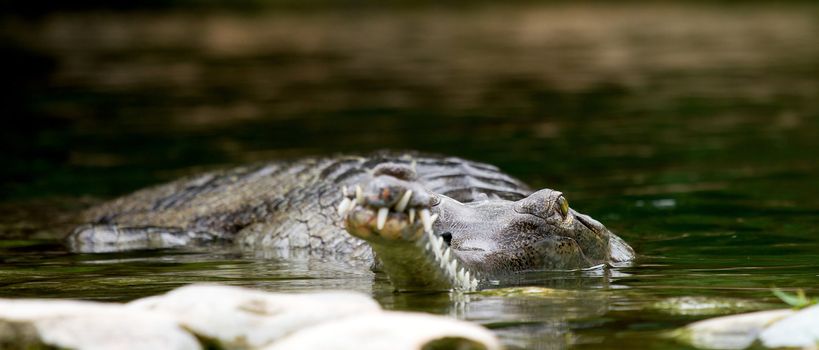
429,222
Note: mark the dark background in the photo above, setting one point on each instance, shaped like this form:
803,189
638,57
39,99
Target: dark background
635,101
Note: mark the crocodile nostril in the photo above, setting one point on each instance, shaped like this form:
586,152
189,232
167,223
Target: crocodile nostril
591,224
447,236
385,194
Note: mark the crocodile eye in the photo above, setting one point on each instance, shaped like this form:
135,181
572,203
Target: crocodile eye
564,205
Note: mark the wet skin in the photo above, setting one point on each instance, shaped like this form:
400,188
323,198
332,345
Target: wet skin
431,223
488,237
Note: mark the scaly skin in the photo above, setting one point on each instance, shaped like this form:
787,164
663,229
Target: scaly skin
434,223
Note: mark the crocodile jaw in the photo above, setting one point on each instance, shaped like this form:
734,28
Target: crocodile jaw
413,256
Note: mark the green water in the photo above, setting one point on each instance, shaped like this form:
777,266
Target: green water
689,129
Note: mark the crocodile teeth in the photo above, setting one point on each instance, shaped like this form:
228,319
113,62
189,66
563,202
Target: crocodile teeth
382,218
402,203
359,194
444,259
344,191
412,215
442,251
436,248
433,218
345,205
426,220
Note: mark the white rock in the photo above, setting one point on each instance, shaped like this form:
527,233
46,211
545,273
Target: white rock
798,330
92,326
240,318
388,330
731,332
234,318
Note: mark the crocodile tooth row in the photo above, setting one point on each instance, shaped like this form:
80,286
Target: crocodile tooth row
346,204
461,278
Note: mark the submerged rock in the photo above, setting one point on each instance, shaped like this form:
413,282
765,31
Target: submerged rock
704,306
783,328
730,332
221,317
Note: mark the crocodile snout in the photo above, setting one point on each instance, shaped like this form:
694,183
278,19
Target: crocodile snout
387,208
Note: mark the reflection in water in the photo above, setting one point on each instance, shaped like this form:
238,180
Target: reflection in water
689,129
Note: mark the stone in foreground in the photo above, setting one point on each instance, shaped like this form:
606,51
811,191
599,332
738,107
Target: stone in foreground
33,324
731,332
783,328
241,318
800,330
391,330
231,318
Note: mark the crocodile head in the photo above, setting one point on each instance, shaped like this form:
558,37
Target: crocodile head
428,241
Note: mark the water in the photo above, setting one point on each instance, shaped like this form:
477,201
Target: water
689,129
